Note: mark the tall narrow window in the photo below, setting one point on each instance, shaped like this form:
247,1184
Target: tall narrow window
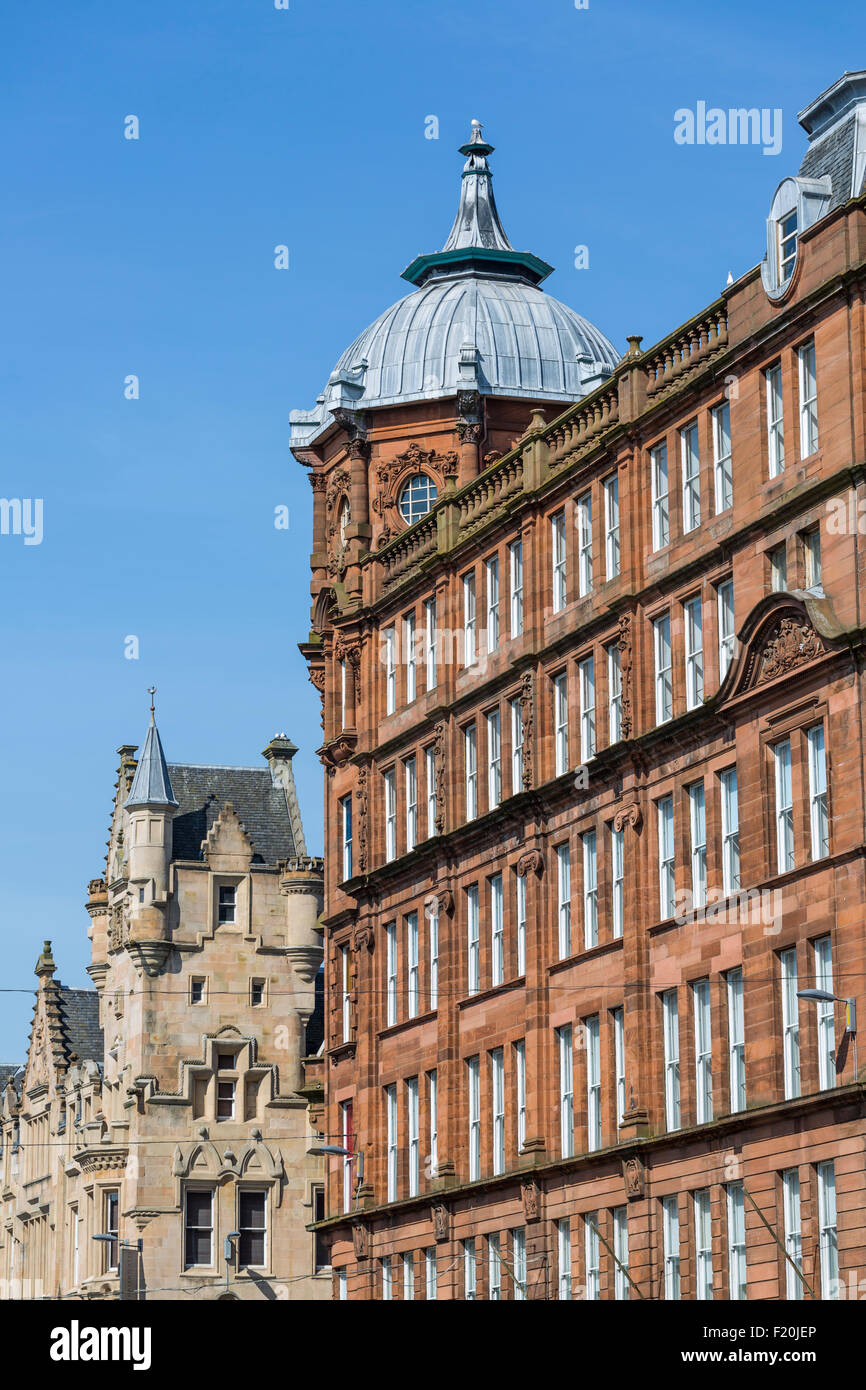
473,947
592,1261
497,1088
563,1257
614,694
828,1250
736,1040
584,544
515,573
491,574
471,772
611,527
725,612
724,478
620,1250
812,559
410,657
198,1229
560,718
698,844
432,912
779,569
516,746
730,831
494,1269
566,1091
497,936
518,1262
784,807
786,246
557,539
694,653
808,400
586,674
793,1233
390,974
344,692
590,890
433,1109
390,782
671,1243
736,1203
691,478
703,1051
521,924
387,1279
347,1136
469,1268
430,642
408,1276
790,1023
430,770
390,670
826,1026
346,808
617,882
473,1071
412,965
818,823
663,683
411,804
345,994
430,1274
703,1245
520,1084
494,761
665,808
671,1041
618,1017
593,1083
660,500
468,619
391,1140
775,424
414,1145
563,900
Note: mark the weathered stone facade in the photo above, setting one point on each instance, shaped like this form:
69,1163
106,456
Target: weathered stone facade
170,1105
518,984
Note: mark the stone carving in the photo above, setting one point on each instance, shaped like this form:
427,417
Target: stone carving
414,459
347,650
118,929
445,901
629,815
363,937
527,717
318,481
360,1240
338,486
790,644
439,765
468,431
532,862
625,663
531,1195
441,1221
634,1178
363,819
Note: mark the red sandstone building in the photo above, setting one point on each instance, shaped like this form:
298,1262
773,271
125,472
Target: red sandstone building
589,637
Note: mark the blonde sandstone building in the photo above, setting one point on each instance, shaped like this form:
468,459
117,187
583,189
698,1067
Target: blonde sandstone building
169,1106
589,635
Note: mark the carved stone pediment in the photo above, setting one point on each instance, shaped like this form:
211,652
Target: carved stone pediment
777,639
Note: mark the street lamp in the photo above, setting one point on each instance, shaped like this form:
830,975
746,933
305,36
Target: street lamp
340,1151
826,996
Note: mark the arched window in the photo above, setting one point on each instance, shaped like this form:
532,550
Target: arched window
417,497
345,518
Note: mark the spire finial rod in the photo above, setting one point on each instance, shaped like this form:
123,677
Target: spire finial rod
151,690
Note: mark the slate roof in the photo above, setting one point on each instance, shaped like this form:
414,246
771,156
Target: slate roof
79,1018
151,785
202,792
7,1071
834,155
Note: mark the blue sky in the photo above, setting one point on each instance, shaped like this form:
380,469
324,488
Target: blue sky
155,257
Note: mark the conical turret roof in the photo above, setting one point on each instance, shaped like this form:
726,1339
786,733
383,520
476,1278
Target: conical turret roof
151,785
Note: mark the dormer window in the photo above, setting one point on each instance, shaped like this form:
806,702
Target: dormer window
417,497
787,244
228,894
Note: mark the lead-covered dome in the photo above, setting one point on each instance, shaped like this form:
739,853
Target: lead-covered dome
477,321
